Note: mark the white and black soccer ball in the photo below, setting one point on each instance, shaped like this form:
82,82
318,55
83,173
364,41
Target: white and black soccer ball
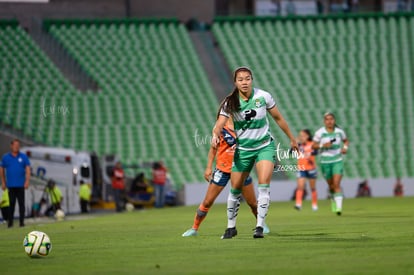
59,215
129,207
37,244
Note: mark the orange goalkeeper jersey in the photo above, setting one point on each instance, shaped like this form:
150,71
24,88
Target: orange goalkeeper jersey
307,160
225,151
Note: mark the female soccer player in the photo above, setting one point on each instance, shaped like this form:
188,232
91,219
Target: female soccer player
306,169
332,143
220,177
248,107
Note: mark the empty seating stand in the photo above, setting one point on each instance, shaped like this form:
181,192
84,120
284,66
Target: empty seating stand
153,97
359,67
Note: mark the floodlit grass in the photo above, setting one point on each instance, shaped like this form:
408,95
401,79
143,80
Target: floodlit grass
373,236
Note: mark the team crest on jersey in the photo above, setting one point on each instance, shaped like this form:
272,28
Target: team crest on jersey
257,103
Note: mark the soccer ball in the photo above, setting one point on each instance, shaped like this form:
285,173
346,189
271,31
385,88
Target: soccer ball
37,244
59,215
129,207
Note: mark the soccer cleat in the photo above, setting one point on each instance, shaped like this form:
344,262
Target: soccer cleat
338,211
258,233
190,232
298,207
314,208
266,229
229,233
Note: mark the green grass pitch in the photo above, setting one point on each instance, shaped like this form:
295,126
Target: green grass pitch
374,236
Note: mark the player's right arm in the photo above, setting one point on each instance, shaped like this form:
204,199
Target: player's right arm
317,141
218,127
3,179
210,159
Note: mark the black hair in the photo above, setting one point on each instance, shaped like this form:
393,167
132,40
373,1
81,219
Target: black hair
331,114
232,103
51,183
221,106
15,140
308,132
156,165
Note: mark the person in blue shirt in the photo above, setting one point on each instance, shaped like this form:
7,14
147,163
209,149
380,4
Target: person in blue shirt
15,176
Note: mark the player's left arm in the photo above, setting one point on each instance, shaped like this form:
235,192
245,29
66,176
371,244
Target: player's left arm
280,120
60,195
344,149
210,159
2,178
345,141
27,181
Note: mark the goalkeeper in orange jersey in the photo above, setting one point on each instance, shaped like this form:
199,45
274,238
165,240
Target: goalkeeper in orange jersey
306,169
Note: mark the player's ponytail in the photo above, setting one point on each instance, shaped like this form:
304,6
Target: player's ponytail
221,106
232,102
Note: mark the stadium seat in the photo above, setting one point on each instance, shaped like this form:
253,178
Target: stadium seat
153,92
360,68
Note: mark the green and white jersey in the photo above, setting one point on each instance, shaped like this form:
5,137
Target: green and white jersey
250,123
337,137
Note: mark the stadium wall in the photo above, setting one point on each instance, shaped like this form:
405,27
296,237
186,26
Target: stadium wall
283,190
58,9
184,10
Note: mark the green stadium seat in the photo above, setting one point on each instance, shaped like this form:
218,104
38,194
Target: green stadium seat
136,114
359,68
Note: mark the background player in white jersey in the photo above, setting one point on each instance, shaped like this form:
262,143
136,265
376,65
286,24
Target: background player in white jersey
332,144
248,107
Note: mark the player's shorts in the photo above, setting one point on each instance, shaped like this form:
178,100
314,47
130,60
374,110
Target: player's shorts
330,169
243,161
309,174
221,178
